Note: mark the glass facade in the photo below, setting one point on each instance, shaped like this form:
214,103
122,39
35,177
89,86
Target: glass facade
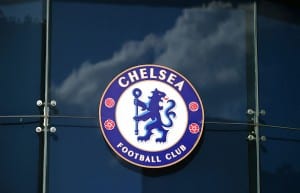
279,69
20,72
87,43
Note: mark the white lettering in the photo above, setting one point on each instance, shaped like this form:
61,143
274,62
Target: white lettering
124,149
171,78
173,154
168,156
121,83
158,159
130,153
133,76
162,75
147,159
144,158
120,145
152,74
136,155
179,85
143,73
155,159
182,147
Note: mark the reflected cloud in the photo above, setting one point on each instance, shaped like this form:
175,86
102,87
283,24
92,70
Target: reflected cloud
210,39
203,37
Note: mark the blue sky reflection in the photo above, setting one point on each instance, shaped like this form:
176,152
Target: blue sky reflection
206,42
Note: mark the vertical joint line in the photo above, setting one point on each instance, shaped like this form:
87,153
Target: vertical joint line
46,108
256,115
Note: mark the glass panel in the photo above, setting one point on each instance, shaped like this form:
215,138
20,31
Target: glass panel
21,56
19,150
279,42
20,78
94,42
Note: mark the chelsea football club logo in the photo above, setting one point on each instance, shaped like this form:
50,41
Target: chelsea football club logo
151,116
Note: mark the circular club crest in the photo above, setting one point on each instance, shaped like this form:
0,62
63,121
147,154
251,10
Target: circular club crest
151,116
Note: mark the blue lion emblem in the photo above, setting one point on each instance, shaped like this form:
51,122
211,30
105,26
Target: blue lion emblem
151,111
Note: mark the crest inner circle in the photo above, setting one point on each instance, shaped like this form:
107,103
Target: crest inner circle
151,115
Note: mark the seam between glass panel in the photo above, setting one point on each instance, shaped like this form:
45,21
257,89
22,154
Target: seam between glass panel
256,115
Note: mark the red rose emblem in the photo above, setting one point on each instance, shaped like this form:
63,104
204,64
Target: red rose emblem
194,128
109,102
193,106
109,124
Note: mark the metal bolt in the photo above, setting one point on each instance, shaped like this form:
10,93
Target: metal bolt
262,112
52,129
53,103
250,112
251,137
39,103
263,138
38,129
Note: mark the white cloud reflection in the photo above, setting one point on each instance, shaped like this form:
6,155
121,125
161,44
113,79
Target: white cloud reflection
212,38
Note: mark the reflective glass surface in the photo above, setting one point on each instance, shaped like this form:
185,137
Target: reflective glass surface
20,57
279,42
19,150
93,42
20,82
210,43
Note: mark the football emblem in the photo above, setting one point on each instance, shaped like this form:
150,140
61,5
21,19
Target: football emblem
151,116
